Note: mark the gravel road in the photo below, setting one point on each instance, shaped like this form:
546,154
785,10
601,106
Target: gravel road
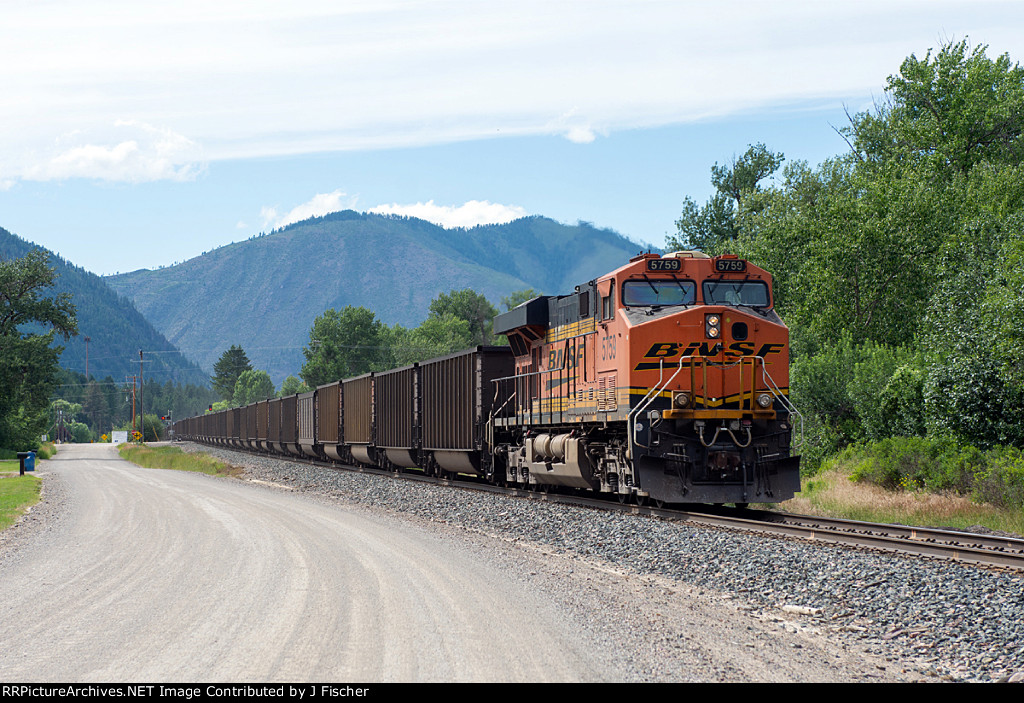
303,573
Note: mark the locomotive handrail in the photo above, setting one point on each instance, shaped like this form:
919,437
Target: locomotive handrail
784,399
494,413
563,367
648,399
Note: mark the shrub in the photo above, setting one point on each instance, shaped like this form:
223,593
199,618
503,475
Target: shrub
938,465
1002,483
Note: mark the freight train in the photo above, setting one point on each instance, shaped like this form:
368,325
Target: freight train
665,380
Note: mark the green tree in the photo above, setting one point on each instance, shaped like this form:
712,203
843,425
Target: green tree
292,385
150,425
252,385
228,368
28,362
955,109
343,344
860,254
438,335
79,432
711,227
517,298
96,409
62,415
470,306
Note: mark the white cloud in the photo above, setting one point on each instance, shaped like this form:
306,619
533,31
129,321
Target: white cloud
580,135
127,151
574,127
248,78
469,214
320,204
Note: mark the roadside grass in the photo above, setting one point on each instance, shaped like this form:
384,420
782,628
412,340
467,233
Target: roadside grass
17,494
174,458
833,493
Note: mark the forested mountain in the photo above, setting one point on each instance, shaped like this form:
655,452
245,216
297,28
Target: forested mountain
263,294
117,331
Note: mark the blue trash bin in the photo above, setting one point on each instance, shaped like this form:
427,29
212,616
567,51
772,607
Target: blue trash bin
27,461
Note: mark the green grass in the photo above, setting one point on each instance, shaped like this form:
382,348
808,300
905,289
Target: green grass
17,494
834,493
175,459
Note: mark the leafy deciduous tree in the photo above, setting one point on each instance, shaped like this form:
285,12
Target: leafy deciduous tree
292,385
343,344
470,306
517,298
28,362
711,227
252,385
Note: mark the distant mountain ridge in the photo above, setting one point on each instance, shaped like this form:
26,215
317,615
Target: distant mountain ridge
264,293
116,329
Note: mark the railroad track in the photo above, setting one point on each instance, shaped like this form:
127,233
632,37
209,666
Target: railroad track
966,547
992,551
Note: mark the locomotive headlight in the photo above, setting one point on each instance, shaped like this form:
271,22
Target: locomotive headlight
681,400
764,400
712,326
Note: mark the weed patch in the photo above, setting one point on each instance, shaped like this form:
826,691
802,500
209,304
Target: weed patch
175,459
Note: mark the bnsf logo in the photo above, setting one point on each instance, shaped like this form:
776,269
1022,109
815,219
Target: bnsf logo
666,350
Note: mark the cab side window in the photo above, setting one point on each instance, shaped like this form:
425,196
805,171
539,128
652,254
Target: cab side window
608,304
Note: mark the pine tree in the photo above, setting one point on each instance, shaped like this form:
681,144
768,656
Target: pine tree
227,370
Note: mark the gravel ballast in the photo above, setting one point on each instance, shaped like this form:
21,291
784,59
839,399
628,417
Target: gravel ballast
926,620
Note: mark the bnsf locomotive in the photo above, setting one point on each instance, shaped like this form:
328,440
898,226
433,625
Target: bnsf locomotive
665,380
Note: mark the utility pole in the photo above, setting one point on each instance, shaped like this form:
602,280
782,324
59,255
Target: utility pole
133,400
142,388
87,340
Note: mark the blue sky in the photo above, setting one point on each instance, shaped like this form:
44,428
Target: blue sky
136,135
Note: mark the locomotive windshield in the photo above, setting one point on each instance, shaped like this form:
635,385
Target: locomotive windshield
658,291
753,293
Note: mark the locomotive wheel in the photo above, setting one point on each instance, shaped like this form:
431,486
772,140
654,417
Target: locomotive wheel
623,497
